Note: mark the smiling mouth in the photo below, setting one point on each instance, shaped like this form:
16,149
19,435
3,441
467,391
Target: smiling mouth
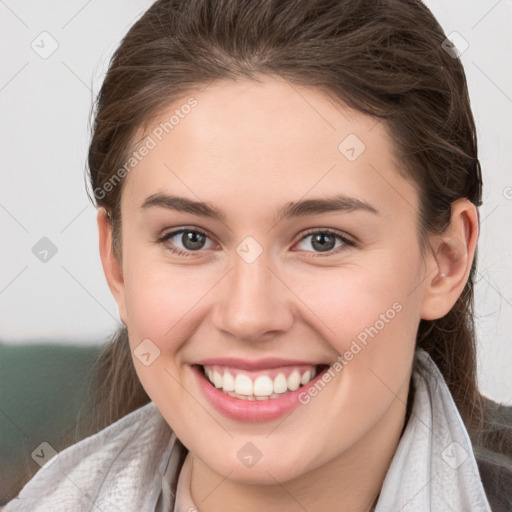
261,384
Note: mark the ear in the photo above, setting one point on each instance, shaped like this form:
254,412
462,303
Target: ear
112,267
451,261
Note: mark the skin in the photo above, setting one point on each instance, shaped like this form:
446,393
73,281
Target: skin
250,148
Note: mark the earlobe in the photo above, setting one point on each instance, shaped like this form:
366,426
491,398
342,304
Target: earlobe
452,257
112,267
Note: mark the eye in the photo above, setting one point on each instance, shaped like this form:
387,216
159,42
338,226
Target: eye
324,241
192,240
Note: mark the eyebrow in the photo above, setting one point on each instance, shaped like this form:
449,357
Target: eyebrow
338,203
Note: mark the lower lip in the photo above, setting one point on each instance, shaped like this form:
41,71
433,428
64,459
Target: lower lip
251,410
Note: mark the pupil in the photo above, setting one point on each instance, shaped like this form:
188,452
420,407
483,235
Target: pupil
192,240
321,238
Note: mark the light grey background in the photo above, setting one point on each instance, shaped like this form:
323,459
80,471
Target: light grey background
44,133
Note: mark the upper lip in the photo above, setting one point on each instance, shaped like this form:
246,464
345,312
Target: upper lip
248,364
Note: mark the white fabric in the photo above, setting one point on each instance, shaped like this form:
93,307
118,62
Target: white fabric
116,470
433,467
130,465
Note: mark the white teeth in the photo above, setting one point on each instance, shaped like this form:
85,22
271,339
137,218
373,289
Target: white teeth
263,386
280,384
294,380
306,377
243,385
240,385
229,382
217,379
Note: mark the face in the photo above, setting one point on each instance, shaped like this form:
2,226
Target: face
268,286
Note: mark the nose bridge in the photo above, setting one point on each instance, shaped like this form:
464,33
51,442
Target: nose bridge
255,301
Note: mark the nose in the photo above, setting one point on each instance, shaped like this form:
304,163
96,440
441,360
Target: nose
256,304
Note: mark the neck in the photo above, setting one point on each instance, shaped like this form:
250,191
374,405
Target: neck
349,482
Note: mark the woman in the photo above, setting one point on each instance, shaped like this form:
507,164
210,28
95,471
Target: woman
287,203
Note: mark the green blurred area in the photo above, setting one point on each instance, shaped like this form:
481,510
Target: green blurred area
43,398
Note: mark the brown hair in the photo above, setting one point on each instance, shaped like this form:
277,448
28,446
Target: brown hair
385,59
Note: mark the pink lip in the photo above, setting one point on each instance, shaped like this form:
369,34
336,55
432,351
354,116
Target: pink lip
246,364
256,411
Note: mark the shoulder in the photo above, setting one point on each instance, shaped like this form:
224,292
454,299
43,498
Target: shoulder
493,452
105,469
491,444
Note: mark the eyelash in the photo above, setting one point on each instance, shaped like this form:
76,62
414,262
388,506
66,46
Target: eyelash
338,234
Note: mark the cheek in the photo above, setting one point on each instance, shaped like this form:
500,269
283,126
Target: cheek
350,301
369,314
160,297
162,304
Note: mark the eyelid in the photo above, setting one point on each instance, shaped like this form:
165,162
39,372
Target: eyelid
170,234
347,240
341,234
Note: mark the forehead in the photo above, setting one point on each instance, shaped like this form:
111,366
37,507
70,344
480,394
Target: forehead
253,143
